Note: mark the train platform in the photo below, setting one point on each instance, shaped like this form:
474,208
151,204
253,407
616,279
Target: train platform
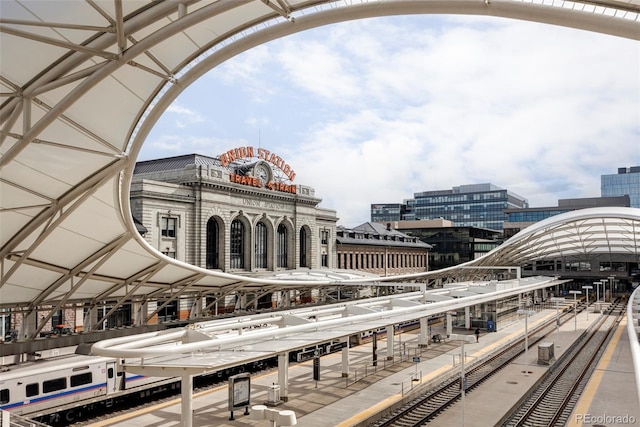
610,398
337,401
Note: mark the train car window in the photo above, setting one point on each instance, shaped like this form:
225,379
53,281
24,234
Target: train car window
54,385
81,379
4,395
110,373
32,389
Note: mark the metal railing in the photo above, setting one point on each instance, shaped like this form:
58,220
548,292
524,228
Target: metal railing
633,329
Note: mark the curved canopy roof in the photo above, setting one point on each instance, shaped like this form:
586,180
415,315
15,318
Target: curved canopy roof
578,235
82,84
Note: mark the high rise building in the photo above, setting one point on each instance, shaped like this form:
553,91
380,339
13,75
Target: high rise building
385,212
474,205
625,182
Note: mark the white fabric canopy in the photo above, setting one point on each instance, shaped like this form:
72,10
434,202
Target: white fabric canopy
82,84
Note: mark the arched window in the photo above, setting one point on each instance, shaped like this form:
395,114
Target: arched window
237,244
261,245
283,253
303,247
213,244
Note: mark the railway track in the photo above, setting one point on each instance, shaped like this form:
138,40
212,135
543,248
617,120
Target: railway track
552,402
429,405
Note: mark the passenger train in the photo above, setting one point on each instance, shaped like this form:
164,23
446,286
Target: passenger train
60,389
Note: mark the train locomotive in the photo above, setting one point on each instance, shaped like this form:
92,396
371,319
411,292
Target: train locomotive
65,386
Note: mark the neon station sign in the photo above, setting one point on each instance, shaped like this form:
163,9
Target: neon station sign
249,152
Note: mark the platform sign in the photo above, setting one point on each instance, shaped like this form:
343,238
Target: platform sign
239,392
416,359
316,368
303,356
336,347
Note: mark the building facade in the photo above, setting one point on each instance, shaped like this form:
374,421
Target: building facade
625,182
474,205
386,212
450,245
238,213
381,250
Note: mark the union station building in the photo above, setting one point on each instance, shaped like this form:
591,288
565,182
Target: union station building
239,212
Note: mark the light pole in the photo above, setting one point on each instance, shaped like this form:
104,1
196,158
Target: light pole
575,308
277,418
463,381
526,313
611,279
587,287
557,301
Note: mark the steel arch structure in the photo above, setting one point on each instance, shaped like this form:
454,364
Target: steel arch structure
83,83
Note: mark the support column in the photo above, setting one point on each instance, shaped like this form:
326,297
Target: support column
449,325
196,308
390,339
467,317
345,357
242,301
139,315
186,390
423,339
283,376
286,298
27,328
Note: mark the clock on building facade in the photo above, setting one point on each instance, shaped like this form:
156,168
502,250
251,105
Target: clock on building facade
263,172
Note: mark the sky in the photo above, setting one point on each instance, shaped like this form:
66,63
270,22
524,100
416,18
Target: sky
376,110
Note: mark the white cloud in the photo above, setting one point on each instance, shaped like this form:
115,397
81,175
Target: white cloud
377,110
185,113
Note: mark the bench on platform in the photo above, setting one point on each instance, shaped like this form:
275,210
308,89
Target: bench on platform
436,338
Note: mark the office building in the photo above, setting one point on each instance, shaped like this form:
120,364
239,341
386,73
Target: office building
474,205
450,245
386,212
625,182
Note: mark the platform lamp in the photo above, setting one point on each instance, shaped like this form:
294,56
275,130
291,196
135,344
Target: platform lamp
604,291
463,379
611,282
278,418
526,313
557,301
575,308
587,287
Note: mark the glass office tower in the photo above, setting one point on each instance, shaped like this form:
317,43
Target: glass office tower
474,205
625,182
387,212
